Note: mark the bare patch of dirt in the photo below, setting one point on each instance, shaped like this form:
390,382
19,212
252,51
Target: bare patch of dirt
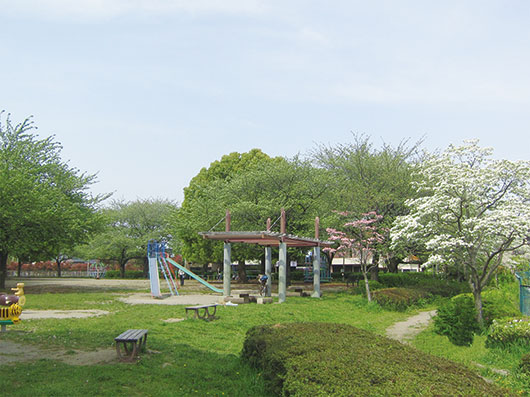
13,352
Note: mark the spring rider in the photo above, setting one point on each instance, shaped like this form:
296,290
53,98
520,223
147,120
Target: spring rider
11,307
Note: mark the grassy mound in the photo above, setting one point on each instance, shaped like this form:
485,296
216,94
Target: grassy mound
321,359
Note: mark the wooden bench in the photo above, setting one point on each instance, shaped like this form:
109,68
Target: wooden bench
132,341
205,315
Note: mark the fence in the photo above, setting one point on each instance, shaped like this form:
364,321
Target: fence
524,292
47,273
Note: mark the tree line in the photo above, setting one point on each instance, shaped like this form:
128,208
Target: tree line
459,211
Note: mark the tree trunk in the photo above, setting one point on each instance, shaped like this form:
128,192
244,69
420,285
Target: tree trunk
3,269
58,261
367,285
122,269
242,271
19,268
477,295
392,264
146,267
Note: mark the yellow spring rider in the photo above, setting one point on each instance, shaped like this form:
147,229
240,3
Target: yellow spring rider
11,306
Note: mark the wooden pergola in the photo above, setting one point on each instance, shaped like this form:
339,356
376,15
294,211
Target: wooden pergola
269,239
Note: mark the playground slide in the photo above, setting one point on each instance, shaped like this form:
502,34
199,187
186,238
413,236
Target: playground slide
193,275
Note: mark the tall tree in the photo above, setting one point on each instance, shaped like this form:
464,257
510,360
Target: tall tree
129,227
203,207
37,192
471,210
365,178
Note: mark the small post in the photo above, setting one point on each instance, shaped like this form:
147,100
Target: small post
268,224
227,221
282,222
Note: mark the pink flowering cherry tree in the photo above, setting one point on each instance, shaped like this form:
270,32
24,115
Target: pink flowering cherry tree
359,238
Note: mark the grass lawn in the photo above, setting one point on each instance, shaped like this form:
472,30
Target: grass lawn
190,357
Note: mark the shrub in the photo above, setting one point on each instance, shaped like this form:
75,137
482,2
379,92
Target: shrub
509,331
399,298
360,289
323,359
297,275
425,282
497,304
525,364
456,320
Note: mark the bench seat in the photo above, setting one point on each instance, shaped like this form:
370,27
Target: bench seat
205,314
132,340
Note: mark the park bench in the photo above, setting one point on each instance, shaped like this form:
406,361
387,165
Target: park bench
132,340
205,314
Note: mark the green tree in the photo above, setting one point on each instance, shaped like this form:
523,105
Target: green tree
129,227
252,194
364,179
41,197
202,207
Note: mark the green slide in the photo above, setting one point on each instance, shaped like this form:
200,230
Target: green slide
193,275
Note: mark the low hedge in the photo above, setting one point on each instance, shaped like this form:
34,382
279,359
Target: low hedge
425,282
509,331
399,299
323,359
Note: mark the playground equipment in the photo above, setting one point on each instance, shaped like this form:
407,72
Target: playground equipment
11,307
96,270
325,274
159,260
524,292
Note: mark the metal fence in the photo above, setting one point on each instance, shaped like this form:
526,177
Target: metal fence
524,292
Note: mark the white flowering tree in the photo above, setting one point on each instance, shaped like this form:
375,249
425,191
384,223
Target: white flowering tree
359,237
471,210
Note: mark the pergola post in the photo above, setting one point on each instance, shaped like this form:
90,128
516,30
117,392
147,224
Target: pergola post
227,268
268,269
227,260
316,262
316,273
282,273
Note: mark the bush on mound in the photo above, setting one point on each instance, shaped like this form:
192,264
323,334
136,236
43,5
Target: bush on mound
322,359
399,298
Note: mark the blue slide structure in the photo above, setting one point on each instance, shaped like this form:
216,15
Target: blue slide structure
193,275
158,260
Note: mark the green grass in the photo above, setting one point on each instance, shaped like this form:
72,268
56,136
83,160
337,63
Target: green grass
488,360
190,357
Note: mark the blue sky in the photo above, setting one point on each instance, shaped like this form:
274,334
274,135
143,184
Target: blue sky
147,92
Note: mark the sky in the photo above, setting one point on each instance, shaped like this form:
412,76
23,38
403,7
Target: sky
147,92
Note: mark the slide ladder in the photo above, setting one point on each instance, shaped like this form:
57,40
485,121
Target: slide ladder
167,275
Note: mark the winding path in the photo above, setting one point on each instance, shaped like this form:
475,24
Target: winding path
404,331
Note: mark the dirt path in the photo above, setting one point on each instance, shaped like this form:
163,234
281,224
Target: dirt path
404,331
